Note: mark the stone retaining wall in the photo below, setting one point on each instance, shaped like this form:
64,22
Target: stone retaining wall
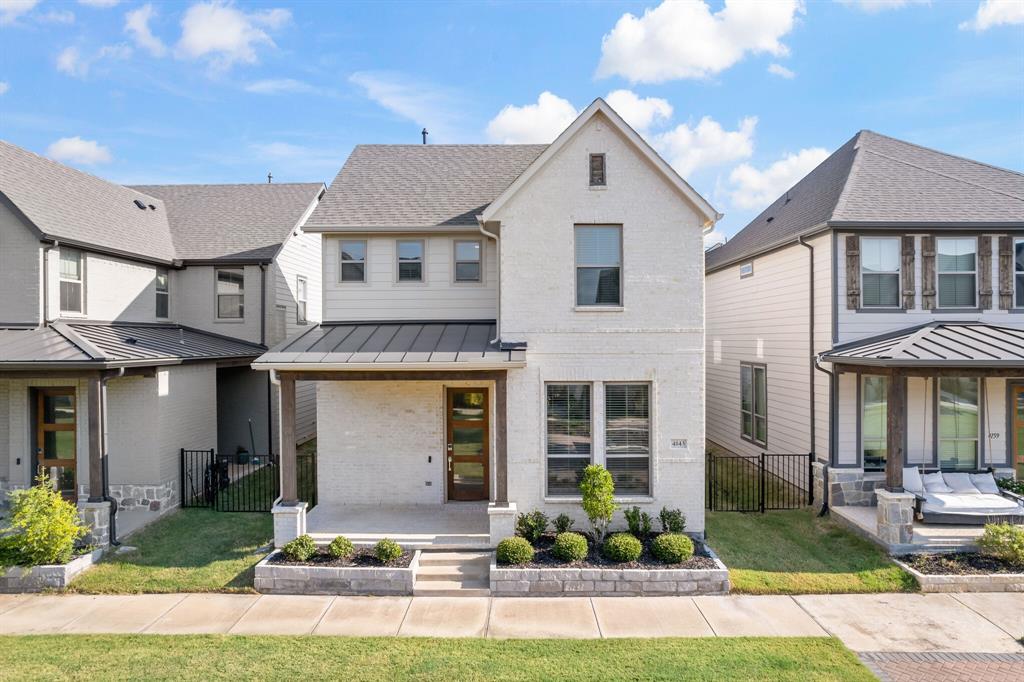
155,497
853,487
297,579
995,582
39,578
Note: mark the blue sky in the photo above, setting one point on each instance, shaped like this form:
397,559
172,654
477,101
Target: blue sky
742,98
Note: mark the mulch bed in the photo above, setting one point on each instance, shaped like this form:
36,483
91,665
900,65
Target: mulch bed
543,558
361,558
967,563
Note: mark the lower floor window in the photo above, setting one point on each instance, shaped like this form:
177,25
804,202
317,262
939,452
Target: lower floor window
568,436
958,422
627,435
754,403
874,416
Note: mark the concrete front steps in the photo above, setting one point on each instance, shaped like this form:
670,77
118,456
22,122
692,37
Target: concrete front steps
453,574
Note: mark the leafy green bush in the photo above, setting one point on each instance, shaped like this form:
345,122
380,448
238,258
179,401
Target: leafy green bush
622,547
639,522
531,526
1012,484
563,523
515,551
598,492
1003,541
43,529
387,551
341,547
672,548
300,549
570,547
672,520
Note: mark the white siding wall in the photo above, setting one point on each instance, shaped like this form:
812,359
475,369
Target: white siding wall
193,302
20,271
382,297
846,422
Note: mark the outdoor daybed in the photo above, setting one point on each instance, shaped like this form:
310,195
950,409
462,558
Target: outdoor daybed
961,498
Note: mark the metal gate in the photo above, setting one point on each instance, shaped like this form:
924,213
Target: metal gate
240,483
758,484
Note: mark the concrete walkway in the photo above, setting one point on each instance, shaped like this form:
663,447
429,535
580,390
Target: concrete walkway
978,623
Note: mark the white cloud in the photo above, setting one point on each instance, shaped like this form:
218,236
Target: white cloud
102,4
683,39
10,10
532,123
225,35
57,17
71,61
280,86
780,70
755,189
875,6
639,112
76,150
707,144
713,238
4,87
995,13
440,110
136,24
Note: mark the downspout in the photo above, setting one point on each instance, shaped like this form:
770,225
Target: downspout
106,475
814,366
46,281
832,401
263,342
497,258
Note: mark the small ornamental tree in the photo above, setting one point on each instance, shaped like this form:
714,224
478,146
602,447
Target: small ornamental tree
598,492
44,527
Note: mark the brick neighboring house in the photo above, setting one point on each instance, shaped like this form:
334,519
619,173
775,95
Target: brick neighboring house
128,319
496,318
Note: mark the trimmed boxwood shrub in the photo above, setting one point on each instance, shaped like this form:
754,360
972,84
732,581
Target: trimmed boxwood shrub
532,526
300,549
387,550
515,551
622,547
570,547
341,547
672,548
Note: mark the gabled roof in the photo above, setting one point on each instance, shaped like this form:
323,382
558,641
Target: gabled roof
233,222
419,186
879,181
937,344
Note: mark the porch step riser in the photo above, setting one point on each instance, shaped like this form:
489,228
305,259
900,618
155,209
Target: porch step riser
453,574
422,577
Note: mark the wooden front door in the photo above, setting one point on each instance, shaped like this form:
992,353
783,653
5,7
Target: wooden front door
1017,424
468,443
56,435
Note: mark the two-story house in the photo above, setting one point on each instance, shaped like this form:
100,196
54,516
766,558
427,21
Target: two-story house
128,319
496,318
872,315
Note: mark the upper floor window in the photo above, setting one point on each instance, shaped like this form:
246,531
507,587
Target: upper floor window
230,294
956,266
598,265
597,171
627,437
568,436
72,262
410,261
754,403
467,261
163,293
1018,273
880,272
353,261
300,300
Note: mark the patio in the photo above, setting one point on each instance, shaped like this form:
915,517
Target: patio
456,525
926,537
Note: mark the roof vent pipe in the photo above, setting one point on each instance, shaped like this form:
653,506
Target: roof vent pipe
424,134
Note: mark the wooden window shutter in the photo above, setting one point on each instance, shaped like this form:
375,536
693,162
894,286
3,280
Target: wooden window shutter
928,272
852,272
984,272
1005,272
908,253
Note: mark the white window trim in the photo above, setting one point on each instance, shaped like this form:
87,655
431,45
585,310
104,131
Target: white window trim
752,438
423,263
366,262
167,293
939,273
650,432
898,272
456,261
80,281
1014,273
547,455
216,296
621,265
301,284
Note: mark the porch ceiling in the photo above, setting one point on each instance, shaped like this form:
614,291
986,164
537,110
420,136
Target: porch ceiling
937,344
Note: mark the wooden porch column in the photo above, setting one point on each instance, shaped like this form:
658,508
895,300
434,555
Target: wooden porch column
501,439
289,484
95,439
896,400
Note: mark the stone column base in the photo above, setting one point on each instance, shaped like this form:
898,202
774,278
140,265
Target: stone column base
96,515
895,517
289,522
502,522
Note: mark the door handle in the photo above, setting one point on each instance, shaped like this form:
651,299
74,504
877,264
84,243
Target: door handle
449,462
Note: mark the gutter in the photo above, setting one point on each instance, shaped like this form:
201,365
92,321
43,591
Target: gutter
497,259
467,366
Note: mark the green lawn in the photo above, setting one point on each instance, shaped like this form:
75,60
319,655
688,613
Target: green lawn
237,658
192,550
796,552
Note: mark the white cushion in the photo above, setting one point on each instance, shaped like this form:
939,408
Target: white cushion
912,482
973,505
934,483
960,483
985,483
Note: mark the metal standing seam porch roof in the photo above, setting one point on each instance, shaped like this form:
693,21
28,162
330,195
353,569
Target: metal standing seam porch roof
429,344
90,345
937,344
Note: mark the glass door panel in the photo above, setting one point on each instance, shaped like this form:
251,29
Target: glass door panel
1017,407
468,431
56,438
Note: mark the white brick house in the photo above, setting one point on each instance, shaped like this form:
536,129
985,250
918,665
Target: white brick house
128,318
496,317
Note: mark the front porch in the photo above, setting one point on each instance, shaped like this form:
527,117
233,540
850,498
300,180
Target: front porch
458,525
925,537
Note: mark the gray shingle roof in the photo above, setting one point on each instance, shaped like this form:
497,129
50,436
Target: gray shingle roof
937,344
874,179
232,222
420,185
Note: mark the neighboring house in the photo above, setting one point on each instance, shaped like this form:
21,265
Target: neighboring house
496,318
874,315
128,319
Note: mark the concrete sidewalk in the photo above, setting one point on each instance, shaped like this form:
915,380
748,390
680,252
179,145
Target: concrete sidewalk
975,623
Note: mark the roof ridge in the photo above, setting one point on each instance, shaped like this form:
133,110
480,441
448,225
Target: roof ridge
945,175
937,151
854,164
912,338
76,339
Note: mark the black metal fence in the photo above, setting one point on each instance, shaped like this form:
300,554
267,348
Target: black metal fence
240,483
758,484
